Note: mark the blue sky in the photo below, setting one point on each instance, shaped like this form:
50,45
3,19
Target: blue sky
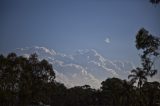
68,25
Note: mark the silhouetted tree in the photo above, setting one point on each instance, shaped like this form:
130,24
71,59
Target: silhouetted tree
155,1
138,74
151,92
111,91
80,96
128,94
31,82
9,74
22,80
149,45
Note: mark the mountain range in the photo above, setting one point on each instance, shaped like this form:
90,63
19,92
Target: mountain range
82,67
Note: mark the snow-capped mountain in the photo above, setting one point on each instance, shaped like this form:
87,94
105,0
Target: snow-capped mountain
82,67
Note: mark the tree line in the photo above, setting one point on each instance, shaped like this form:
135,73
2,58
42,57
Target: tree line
31,82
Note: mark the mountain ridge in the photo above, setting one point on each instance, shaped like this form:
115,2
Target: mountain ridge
82,67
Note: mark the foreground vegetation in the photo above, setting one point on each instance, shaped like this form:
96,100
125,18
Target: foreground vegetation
27,82
31,82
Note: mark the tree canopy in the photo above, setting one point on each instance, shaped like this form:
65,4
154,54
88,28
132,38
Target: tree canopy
31,82
155,1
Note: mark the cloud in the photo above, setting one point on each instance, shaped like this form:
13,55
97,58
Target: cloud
107,40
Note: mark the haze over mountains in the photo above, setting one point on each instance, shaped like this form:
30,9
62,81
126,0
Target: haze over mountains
82,67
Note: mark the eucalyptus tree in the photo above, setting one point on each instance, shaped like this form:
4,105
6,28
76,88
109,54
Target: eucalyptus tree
150,48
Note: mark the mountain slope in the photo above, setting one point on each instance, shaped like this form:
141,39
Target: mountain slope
80,68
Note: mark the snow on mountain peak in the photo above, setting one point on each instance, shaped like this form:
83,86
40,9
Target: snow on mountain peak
51,52
83,67
36,49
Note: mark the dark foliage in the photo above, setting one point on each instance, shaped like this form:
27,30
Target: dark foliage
23,81
150,48
155,1
30,82
149,45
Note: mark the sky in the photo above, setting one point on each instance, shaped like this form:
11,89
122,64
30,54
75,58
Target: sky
109,26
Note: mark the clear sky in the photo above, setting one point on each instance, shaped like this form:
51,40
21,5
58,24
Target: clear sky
109,26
